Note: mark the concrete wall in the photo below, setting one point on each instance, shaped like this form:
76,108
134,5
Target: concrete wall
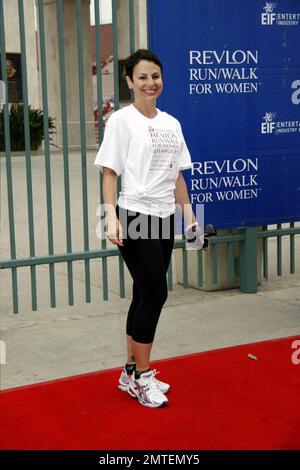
141,39
123,26
71,70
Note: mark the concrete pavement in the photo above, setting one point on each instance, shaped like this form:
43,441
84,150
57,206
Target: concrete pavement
65,341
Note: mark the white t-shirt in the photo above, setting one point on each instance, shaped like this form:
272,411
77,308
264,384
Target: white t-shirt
148,153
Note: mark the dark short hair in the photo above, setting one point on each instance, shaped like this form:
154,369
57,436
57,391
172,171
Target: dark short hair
137,56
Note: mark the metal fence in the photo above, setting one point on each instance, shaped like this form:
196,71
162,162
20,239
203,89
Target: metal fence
245,264
251,260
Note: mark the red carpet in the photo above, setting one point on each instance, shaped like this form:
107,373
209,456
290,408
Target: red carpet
220,399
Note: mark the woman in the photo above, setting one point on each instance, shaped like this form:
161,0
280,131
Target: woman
147,148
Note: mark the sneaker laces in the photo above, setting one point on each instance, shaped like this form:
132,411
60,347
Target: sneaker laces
155,372
149,383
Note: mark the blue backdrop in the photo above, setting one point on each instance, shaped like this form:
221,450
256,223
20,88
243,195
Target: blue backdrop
232,78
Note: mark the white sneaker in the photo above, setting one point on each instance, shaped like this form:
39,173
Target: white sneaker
124,382
146,390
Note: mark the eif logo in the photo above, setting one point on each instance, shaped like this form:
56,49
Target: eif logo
296,354
268,18
268,126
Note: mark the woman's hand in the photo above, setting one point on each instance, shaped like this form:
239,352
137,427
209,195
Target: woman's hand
194,237
114,231
113,227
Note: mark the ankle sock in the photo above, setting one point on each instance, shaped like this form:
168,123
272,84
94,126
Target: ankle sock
130,368
137,373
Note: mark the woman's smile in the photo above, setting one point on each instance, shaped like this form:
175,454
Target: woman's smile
150,92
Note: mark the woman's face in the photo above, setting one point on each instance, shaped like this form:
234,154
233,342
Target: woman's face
147,82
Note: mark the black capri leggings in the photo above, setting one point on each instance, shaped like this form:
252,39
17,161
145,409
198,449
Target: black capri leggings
148,243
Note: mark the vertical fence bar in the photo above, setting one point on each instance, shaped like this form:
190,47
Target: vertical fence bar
27,152
61,48
229,259
214,264
131,34
116,63
185,268
265,255
100,134
99,70
248,261
292,251
117,106
10,195
279,253
147,23
115,54
105,278
131,26
47,148
116,88
200,268
83,150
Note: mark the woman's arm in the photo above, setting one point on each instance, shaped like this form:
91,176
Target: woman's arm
114,229
182,200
